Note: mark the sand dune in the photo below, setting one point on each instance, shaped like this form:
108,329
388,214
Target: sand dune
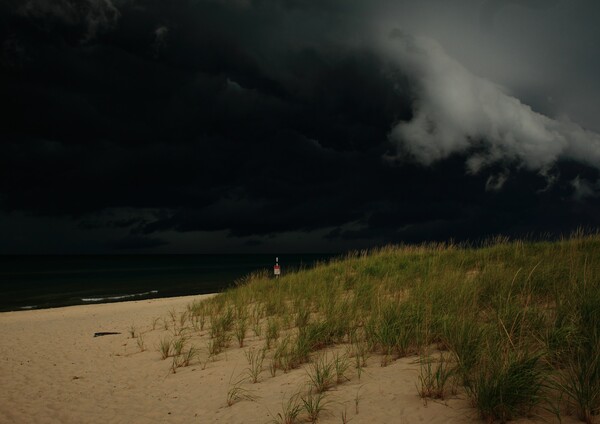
53,370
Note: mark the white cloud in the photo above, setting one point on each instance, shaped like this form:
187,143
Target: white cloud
458,112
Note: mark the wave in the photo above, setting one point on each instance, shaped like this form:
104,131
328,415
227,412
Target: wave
29,307
121,297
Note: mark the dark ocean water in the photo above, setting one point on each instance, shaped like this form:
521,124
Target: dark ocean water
34,282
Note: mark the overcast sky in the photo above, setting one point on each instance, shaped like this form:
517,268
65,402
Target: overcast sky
222,126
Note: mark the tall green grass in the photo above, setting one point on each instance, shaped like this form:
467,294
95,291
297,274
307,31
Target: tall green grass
520,320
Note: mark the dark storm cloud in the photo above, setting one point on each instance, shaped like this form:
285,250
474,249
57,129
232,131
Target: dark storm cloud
267,117
86,17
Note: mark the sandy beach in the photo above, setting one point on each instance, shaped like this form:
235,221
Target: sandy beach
53,370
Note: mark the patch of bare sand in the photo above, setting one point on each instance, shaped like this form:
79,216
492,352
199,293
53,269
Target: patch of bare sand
54,371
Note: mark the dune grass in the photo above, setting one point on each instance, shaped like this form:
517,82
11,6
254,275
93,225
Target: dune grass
321,374
255,358
290,410
314,404
518,322
238,393
435,377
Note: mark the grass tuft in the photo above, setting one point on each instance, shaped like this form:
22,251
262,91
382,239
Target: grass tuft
165,347
433,380
255,358
238,393
314,404
322,374
290,410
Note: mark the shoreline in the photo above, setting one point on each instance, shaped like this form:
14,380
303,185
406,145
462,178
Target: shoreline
118,302
86,303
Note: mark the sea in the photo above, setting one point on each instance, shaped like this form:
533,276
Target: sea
49,281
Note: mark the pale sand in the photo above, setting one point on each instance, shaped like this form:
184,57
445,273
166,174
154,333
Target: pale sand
53,370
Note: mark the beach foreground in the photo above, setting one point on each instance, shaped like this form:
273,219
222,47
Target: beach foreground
54,370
